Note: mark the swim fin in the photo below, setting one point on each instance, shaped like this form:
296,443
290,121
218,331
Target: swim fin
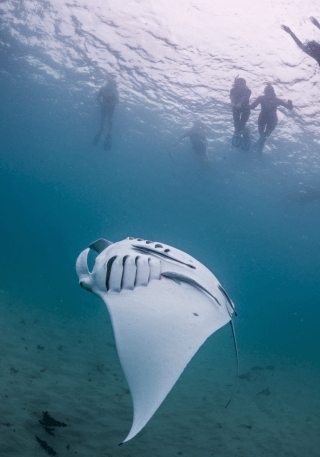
245,141
236,140
260,144
108,143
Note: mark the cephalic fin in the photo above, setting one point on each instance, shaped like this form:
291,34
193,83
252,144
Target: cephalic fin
100,245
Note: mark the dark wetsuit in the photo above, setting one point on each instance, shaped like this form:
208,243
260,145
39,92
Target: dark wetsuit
108,98
240,115
313,50
268,118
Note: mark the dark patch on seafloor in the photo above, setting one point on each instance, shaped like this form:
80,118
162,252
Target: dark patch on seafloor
49,424
265,392
45,446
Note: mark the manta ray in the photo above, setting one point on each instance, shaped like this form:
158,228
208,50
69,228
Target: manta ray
163,305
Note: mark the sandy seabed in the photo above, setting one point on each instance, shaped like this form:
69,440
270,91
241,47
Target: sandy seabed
63,393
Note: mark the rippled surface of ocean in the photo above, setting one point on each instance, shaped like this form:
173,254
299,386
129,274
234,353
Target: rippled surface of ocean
252,219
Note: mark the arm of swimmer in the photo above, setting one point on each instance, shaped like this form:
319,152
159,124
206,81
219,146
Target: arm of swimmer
233,100
287,104
255,103
245,98
294,37
315,22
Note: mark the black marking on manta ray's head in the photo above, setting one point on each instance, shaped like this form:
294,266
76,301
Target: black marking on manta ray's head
139,239
158,246
159,254
166,250
227,298
149,242
109,266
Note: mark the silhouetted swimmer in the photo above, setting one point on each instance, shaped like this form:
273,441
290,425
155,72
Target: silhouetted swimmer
198,139
240,95
108,97
268,118
312,48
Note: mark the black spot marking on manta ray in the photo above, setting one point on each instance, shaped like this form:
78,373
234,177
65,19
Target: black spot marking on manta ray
139,239
131,238
109,265
148,242
166,250
158,246
195,314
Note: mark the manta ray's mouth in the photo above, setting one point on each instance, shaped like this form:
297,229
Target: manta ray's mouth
160,254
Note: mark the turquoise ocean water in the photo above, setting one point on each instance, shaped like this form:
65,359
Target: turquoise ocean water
252,219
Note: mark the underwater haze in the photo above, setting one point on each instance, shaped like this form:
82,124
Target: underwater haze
252,219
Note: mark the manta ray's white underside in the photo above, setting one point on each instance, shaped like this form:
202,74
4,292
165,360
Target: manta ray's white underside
159,322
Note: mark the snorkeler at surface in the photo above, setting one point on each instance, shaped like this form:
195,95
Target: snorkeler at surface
108,98
268,118
312,48
240,95
198,139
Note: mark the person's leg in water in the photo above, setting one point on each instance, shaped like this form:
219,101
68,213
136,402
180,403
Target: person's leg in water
245,139
244,116
108,141
266,126
103,115
262,123
236,139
